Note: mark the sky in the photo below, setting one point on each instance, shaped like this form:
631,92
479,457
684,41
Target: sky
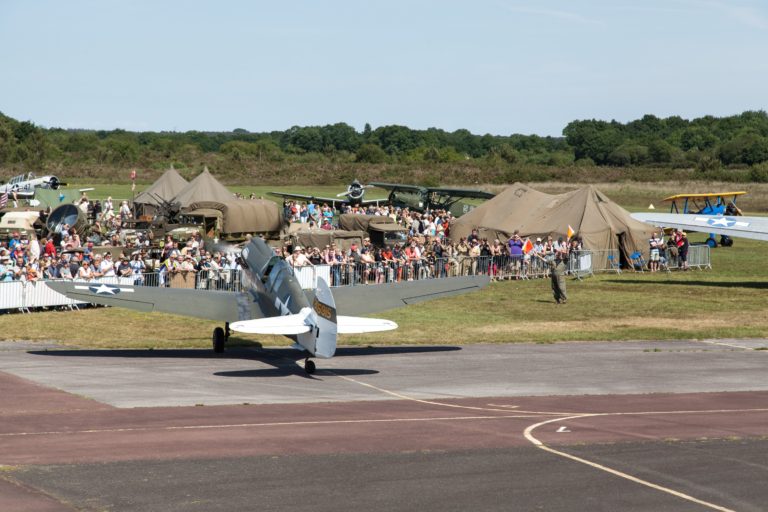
489,66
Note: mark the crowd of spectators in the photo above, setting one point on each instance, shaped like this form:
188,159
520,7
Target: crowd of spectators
427,251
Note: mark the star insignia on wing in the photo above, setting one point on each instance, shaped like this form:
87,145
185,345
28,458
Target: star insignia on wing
722,221
104,289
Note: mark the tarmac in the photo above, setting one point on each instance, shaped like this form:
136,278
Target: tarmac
570,426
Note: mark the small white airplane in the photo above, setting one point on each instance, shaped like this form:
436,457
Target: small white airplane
745,227
24,185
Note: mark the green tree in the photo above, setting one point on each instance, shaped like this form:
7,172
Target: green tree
371,154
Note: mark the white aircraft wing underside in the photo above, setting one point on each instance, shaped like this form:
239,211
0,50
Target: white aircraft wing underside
745,227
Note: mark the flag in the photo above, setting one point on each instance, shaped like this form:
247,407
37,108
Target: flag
571,232
527,246
4,199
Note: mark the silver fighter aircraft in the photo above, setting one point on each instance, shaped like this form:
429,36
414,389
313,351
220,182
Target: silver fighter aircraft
24,185
273,302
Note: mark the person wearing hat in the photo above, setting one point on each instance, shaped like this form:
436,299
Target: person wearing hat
298,258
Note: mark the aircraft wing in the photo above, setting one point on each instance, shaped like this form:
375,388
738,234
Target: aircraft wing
315,199
462,192
395,186
361,300
746,227
212,305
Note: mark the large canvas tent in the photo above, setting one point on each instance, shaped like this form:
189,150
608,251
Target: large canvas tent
203,188
165,188
601,223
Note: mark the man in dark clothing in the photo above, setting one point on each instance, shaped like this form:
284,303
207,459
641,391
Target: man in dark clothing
559,267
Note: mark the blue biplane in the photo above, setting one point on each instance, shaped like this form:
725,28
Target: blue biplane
715,203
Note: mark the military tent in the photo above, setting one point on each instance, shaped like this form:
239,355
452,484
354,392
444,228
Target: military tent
203,188
165,188
601,223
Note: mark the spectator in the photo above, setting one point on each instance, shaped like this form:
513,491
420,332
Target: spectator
6,268
297,258
655,243
85,271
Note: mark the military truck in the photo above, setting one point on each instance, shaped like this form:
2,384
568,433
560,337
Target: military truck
382,230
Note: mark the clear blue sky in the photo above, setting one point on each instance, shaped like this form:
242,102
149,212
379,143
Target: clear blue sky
491,66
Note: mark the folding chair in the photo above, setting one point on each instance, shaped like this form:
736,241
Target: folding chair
638,262
613,264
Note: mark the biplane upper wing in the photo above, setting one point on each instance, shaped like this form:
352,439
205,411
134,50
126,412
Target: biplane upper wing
212,305
702,196
746,227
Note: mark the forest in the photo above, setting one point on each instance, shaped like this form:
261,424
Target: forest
733,148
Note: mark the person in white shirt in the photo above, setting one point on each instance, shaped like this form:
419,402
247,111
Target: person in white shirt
107,266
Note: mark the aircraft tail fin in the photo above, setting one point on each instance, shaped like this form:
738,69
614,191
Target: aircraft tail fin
323,338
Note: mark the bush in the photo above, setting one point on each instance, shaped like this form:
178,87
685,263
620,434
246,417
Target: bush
759,173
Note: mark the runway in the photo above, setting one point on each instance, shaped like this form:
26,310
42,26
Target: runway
598,426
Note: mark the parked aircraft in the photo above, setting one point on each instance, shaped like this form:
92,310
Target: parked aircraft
420,199
24,185
712,203
354,195
746,227
274,303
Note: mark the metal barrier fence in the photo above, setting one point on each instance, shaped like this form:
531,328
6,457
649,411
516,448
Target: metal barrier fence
23,296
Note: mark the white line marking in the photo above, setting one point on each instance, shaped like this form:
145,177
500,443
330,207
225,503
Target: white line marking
442,404
529,436
257,425
742,347
562,430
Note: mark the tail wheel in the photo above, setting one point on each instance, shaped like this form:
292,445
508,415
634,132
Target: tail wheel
219,339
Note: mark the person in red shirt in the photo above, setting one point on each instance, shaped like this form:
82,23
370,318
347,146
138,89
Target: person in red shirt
50,248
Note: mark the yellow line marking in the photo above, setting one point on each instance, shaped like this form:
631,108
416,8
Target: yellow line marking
529,436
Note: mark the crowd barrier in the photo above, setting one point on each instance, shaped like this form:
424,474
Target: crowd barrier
24,296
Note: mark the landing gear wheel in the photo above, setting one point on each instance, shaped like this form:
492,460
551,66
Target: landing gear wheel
309,366
726,241
219,339
712,243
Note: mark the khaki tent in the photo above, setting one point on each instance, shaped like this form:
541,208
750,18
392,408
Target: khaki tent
240,216
203,188
165,188
601,223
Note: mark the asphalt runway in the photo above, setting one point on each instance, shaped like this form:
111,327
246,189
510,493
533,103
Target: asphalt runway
581,426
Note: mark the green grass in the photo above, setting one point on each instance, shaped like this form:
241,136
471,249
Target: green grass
729,301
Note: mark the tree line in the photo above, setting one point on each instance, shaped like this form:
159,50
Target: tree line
707,144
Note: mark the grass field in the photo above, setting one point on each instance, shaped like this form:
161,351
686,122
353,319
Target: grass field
728,301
